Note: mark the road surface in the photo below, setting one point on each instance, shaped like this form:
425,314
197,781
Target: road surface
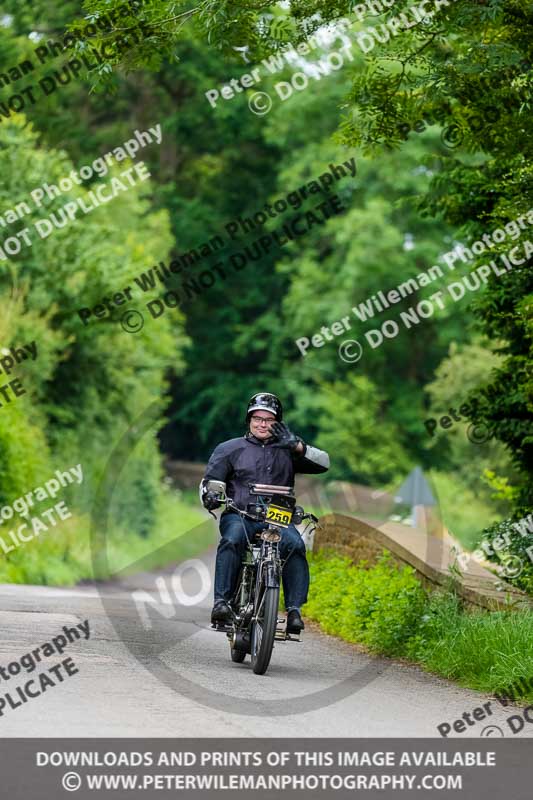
146,682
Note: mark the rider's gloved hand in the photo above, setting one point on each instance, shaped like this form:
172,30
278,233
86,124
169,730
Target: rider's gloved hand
284,438
210,501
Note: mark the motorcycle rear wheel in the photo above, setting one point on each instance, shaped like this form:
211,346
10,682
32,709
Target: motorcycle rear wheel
264,631
237,656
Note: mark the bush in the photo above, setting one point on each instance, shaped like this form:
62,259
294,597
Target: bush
90,383
379,607
24,455
385,608
62,556
510,550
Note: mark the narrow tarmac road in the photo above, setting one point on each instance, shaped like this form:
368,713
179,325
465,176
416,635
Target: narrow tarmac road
164,672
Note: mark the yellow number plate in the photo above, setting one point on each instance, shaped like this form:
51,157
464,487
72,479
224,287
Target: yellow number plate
281,516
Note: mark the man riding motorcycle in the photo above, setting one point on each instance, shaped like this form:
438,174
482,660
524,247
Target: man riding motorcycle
269,453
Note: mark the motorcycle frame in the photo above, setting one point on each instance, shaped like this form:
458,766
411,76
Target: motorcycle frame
259,573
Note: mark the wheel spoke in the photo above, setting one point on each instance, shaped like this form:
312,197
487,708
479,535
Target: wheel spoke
264,629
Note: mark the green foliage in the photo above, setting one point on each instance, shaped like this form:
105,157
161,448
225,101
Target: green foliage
385,608
88,383
510,553
446,70
24,454
401,211
485,651
353,425
461,371
378,606
180,530
456,376
500,485
464,510
62,556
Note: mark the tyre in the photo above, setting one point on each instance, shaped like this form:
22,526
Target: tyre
264,631
239,645
237,656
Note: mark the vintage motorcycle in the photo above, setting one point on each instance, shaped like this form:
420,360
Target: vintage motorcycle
255,624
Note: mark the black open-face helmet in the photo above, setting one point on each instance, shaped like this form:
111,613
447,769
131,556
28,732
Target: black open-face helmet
266,402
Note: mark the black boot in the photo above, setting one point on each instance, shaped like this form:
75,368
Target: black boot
295,623
221,612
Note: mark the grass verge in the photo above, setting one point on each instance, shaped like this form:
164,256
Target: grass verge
62,555
385,608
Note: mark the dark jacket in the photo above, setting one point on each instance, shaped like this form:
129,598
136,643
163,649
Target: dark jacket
239,462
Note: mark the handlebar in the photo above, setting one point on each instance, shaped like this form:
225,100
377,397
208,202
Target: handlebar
217,494
229,503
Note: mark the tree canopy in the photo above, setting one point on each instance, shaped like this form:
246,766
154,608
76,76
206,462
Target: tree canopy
435,119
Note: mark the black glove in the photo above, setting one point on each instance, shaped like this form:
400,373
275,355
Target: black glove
210,501
285,439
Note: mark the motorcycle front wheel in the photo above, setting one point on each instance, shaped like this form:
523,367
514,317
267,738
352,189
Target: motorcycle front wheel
264,631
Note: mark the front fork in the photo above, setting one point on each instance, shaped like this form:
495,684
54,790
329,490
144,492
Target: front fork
268,575
271,574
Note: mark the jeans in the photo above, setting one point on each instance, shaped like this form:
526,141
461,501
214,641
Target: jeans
231,550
